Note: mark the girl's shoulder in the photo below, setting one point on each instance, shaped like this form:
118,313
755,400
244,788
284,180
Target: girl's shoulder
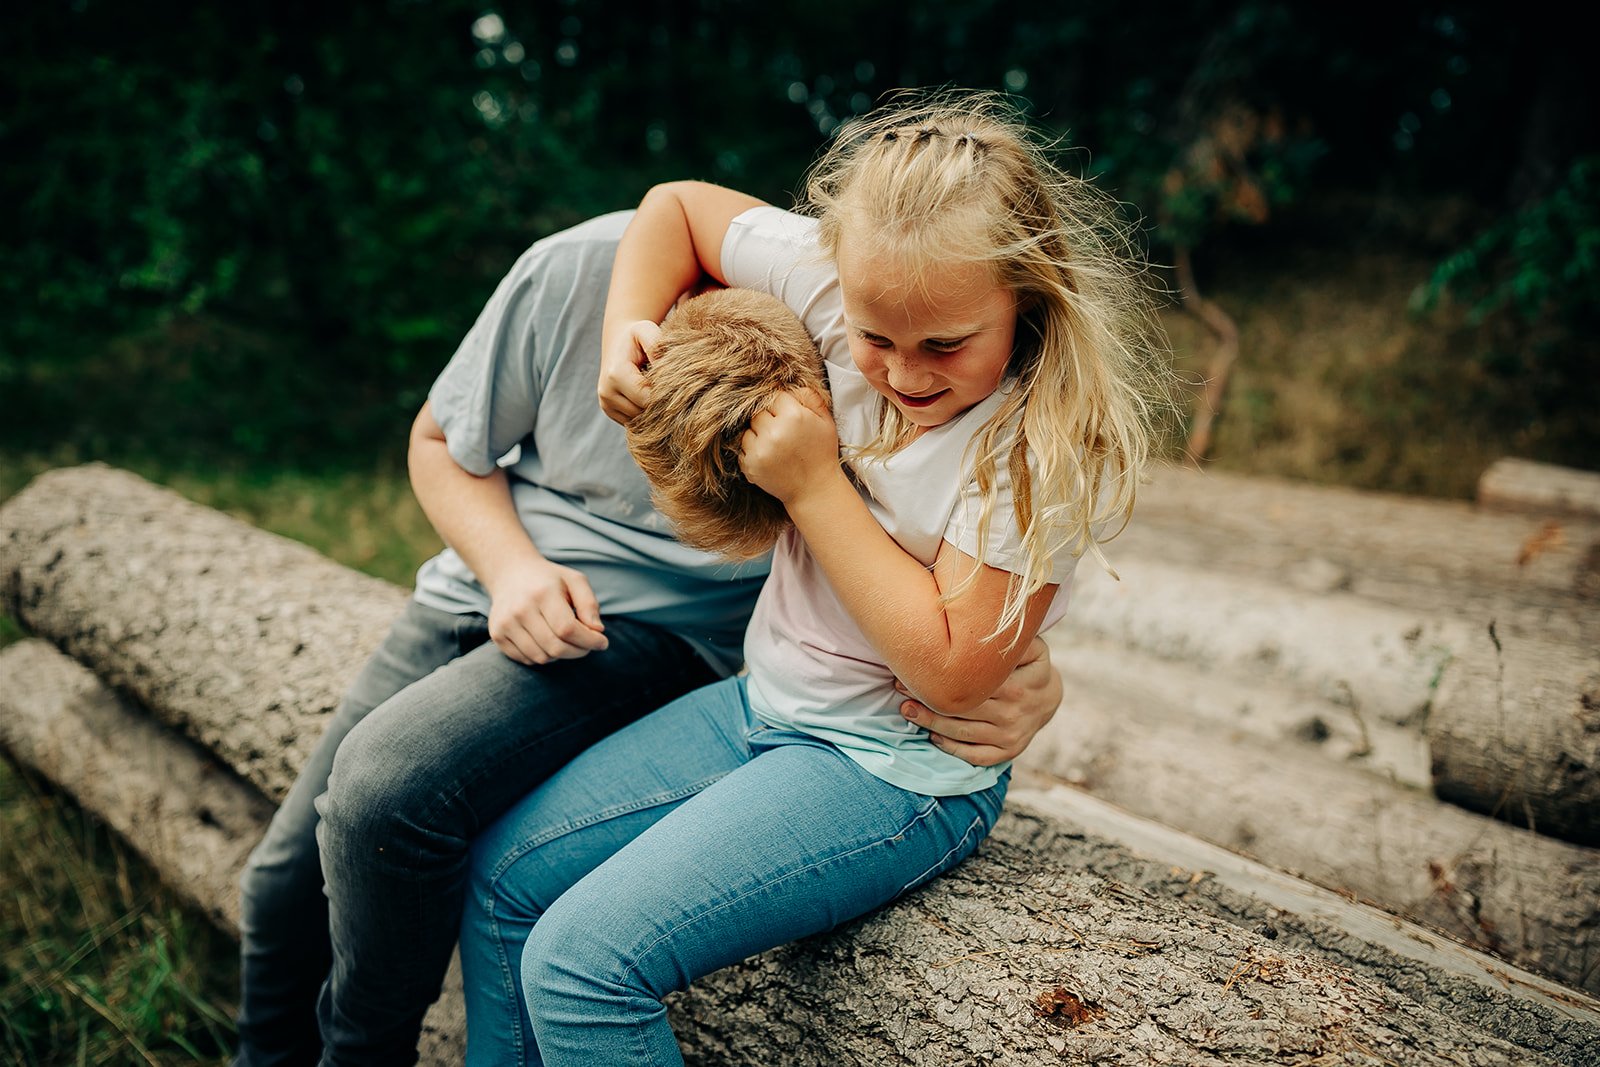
776,252
762,238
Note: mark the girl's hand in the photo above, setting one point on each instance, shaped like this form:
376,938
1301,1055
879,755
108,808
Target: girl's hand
791,447
624,391
541,611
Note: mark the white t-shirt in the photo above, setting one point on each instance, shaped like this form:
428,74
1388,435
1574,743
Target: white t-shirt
811,667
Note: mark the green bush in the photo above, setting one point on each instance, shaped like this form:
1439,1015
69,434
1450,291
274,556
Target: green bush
1531,282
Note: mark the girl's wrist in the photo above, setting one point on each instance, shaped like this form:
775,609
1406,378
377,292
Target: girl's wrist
820,497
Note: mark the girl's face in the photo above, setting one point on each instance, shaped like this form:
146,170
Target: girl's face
935,342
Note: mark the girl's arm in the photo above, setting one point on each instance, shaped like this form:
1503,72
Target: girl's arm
937,650
674,239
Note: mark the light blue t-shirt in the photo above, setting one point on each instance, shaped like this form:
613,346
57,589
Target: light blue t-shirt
520,393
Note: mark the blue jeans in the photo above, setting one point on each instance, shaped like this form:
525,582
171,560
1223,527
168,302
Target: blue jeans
342,951
684,843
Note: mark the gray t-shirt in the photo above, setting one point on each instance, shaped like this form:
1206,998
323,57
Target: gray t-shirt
520,393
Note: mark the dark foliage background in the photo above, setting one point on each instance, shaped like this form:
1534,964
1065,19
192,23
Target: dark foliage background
253,232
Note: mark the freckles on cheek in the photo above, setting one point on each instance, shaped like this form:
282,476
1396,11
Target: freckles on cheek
864,358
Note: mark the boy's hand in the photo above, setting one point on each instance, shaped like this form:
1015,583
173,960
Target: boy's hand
624,390
541,611
1002,726
791,446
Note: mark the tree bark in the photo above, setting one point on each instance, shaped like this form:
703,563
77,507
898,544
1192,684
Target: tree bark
1383,659
1051,945
1439,558
1515,732
1309,787
181,808
1382,604
1540,489
241,639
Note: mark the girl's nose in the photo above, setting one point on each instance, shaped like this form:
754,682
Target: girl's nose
906,375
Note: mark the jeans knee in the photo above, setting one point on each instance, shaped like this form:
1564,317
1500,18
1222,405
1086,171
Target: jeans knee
571,958
382,802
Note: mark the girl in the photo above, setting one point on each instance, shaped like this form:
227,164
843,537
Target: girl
985,336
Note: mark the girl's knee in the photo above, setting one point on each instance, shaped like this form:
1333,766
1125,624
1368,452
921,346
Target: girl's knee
571,956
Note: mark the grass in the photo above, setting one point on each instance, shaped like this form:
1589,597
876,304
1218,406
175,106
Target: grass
98,963
1338,383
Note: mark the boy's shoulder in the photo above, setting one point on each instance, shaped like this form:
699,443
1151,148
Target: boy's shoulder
602,228
596,236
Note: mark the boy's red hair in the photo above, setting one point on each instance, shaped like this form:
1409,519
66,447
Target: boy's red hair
721,357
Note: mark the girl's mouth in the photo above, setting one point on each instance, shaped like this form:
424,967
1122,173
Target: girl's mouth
919,401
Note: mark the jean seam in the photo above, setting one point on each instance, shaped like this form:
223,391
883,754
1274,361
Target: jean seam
508,982
637,954
653,801
976,825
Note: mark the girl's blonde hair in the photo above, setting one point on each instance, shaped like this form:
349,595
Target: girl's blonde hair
959,177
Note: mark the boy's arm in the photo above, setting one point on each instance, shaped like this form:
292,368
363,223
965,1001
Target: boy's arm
1002,726
539,610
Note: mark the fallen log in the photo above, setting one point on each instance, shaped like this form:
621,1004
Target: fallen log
1051,945
1436,558
1515,732
1384,605
1539,488
181,808
1334,645
1336,924
174,604
1220,761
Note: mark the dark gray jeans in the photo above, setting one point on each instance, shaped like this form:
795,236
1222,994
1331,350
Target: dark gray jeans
344,947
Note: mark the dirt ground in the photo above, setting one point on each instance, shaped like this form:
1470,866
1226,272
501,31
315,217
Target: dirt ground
1339,381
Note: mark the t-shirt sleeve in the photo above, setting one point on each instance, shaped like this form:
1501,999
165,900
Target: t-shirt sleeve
1003,549
775,252
487,397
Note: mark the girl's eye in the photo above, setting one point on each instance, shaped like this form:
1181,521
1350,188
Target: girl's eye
873,339
944,346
